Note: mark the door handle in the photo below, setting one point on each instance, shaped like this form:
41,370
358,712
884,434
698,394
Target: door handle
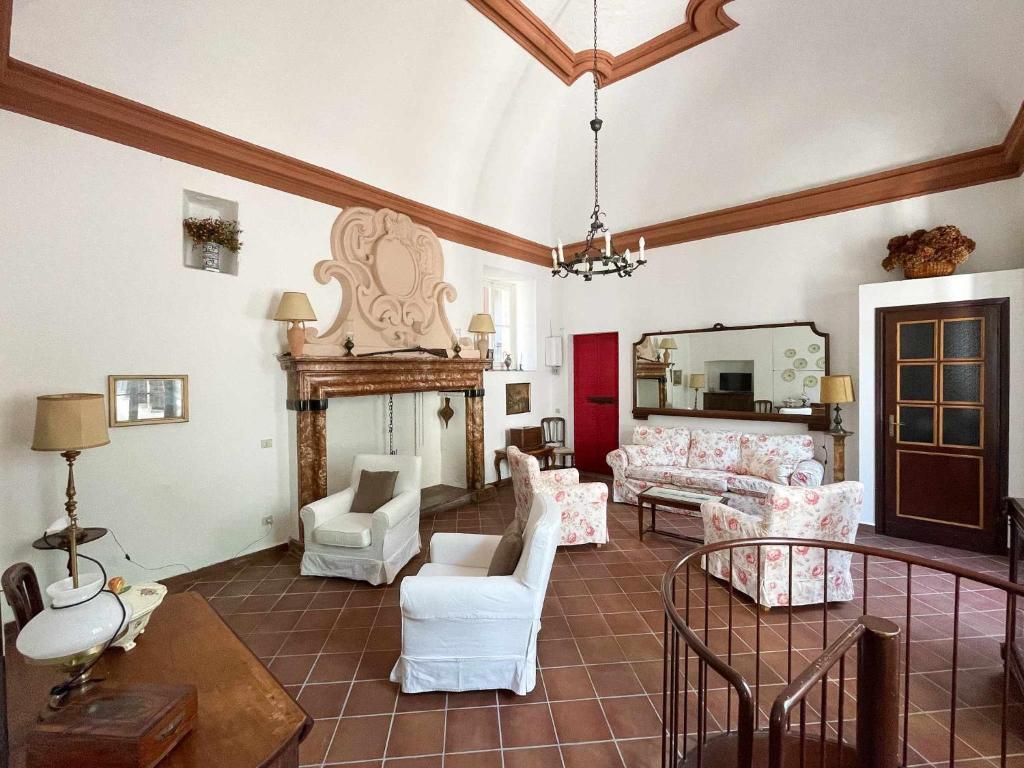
893,424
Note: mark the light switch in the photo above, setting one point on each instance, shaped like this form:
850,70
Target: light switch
268,443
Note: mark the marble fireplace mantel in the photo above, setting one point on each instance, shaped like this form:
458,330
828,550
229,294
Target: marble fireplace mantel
312,381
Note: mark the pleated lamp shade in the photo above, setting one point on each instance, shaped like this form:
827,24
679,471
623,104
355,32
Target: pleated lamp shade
481,323
70,422
697,380
668,343
837,389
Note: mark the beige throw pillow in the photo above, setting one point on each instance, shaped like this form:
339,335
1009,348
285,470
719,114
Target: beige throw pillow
510,549
375,490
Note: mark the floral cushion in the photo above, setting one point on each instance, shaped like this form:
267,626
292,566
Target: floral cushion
647,455
674,440
774,457
714,449
749,484
707,480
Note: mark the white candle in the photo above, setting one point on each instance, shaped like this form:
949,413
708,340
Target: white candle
641,249
627,256
608,245
561,253
554,259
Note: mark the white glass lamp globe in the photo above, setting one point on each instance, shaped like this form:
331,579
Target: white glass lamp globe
74,630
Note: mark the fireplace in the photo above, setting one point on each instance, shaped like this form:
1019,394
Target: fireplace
312,381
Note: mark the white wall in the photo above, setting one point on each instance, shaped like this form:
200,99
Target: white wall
90,241
990,285
807,270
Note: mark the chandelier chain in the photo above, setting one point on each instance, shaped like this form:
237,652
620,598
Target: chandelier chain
597,205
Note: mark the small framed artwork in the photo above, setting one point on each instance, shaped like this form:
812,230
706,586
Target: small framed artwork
136,400
517,398
677,378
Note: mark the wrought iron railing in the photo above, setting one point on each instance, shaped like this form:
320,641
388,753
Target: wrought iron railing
732,698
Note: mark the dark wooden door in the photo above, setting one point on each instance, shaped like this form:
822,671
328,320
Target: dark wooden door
942,432
595,368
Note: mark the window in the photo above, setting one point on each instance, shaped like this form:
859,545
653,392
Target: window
500,302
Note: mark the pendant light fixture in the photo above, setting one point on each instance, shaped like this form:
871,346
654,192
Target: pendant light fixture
600,259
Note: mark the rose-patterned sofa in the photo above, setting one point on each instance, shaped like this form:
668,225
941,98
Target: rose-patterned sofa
583,506
712,461
827,513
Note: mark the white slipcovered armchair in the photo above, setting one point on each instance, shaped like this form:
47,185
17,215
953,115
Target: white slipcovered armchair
366,547
583,507
828,513
463,630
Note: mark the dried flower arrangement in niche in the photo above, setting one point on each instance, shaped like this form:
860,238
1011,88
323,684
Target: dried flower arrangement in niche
932,253
212,234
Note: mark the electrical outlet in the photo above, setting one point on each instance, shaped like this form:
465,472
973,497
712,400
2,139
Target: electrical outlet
558,411
268,443
268,520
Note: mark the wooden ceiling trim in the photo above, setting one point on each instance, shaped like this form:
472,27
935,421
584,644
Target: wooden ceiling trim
47,96
980,166
704,20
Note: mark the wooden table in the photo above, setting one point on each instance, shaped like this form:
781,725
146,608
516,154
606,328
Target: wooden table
246,719
542,454
646,498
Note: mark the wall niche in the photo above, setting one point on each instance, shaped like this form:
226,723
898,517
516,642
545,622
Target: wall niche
201,206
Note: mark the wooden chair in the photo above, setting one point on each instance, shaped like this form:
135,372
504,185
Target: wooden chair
554,431
762,406
21,588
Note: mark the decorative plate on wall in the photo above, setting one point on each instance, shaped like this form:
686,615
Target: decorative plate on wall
790,352
820,363
800,363
814,348
788,375
810,381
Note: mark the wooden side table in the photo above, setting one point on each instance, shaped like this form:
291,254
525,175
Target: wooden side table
246,718
542,454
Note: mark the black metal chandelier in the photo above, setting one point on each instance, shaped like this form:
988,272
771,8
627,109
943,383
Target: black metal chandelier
592,259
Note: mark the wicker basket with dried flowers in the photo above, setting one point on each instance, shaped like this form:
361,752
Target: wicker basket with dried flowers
932,253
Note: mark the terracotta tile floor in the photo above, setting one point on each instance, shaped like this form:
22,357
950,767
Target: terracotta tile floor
597,703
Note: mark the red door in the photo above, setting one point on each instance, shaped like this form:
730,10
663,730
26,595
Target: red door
595,359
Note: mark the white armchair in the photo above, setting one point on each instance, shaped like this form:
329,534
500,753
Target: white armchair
367,547
583,507
463,630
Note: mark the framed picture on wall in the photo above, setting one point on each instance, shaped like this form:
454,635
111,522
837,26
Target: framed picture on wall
677,378
137,400
517,398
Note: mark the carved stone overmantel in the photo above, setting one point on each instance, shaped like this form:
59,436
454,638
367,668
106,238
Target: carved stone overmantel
393,293
313,381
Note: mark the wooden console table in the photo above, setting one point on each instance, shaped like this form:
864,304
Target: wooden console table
246,719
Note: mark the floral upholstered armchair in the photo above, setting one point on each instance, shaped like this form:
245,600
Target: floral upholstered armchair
827,513
583,506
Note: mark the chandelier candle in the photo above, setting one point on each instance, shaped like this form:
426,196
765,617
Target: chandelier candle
592,260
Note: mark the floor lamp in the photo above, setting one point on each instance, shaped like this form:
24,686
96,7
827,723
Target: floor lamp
836,390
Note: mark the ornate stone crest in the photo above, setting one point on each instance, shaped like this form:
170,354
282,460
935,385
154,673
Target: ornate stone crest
393,292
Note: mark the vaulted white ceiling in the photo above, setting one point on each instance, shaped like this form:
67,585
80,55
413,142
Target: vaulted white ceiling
431,100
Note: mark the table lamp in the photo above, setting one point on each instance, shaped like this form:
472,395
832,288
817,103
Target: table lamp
836,390
697,381
667,344
295,309
70,423
482,325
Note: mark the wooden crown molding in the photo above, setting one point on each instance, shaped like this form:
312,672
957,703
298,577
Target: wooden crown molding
44,95
53,98
704,19
980,166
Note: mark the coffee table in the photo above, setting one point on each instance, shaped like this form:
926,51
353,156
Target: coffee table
674,499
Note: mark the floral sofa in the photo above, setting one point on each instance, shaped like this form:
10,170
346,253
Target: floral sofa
712,461
828,513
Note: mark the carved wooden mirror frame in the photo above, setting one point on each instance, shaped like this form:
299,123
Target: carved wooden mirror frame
817,420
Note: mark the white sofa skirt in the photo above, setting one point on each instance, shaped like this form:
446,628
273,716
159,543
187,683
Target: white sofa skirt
368,564
496,654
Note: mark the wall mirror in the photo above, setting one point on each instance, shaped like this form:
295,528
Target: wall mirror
136,400
760,372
